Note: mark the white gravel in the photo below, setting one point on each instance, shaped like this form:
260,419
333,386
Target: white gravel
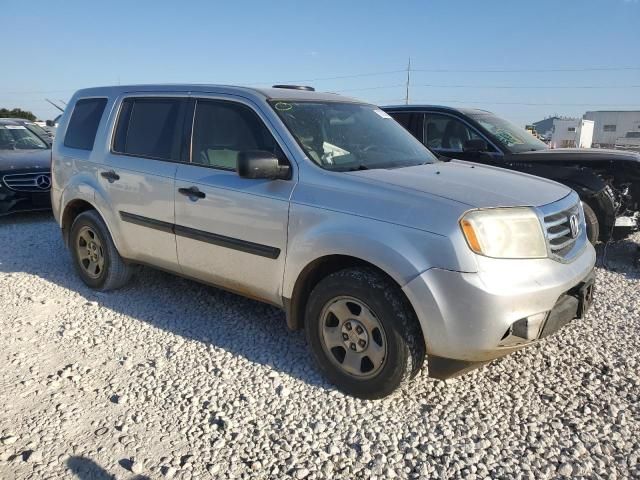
171,379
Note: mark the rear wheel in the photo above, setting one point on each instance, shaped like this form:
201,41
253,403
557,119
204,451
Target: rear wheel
96,259
593,225
363,333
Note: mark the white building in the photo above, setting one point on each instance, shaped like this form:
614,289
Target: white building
610,126
571,132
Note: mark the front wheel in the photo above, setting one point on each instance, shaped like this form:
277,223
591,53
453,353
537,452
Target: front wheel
363,333
593,225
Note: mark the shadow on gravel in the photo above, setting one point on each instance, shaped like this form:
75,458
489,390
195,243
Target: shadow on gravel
7,221
253,330
86,469
622,257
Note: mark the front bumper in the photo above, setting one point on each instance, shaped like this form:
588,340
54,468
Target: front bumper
13,202
472,317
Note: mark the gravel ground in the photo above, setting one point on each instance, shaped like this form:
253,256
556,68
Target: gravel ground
171,379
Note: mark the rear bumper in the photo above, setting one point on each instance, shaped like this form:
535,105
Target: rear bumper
476,317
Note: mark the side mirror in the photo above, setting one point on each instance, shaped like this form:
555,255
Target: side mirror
261,164
476,145
49,123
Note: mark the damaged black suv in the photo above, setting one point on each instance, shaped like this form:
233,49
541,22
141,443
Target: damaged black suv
608,181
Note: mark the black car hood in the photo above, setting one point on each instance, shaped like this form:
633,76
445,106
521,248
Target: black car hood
576,155
15,160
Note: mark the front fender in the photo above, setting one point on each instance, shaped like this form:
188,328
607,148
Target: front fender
583,180
401,252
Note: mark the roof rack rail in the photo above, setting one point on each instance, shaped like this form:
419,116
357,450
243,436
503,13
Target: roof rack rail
296,87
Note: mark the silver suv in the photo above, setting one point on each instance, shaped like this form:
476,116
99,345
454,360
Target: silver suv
328,208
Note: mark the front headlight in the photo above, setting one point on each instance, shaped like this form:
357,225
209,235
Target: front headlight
504,233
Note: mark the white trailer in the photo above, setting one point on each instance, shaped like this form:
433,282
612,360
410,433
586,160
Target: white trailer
570,133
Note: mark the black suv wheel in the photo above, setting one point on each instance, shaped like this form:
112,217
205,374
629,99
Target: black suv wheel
363,333
95,256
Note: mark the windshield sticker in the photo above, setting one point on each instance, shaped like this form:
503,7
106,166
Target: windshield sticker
15,127
382,113
508,137
283,106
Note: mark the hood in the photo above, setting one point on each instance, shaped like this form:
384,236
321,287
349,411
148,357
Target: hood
577,155
15,160
473,184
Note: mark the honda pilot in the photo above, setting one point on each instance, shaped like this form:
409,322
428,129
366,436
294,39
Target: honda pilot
329,209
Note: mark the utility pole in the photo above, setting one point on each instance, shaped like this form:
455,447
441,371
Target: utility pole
406,98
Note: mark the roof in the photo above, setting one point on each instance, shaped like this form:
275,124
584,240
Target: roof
18,120
9,121
442,108
248,92
612,111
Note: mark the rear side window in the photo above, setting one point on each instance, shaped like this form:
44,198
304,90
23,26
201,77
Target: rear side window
411,121
402,118
83,125
150,127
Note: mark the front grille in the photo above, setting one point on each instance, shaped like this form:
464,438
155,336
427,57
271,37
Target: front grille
561,237
28,182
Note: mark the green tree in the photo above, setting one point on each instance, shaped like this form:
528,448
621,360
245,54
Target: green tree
17,113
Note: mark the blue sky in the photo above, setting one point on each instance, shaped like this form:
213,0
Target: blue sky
69,44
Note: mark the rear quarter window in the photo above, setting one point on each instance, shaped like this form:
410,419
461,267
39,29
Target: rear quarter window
83,125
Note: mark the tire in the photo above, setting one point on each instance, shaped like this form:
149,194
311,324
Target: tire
363,298
593,225
104,269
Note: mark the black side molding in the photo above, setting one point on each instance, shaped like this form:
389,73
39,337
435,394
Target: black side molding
202,236
228,242
147,222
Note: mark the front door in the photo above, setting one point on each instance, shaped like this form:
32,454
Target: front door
447,135
139,175
231,231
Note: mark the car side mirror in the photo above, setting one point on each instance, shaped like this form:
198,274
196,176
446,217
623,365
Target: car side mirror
475,145
49,123
261,164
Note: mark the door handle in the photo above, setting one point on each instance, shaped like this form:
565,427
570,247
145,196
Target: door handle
192,192
110,175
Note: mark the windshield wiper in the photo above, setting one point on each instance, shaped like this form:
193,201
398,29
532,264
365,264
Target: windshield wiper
356,168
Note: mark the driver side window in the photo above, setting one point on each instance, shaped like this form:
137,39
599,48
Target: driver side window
443,132
223,129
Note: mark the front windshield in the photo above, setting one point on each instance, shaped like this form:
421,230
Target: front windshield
350,136
514,138
38,130
17,137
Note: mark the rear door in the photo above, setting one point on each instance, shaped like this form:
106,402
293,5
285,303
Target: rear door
231,231
139,175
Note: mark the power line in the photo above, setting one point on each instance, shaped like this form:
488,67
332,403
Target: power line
403,70
34,92
495,87
397,85
526,70
319,79
531,86
431,101
435,70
